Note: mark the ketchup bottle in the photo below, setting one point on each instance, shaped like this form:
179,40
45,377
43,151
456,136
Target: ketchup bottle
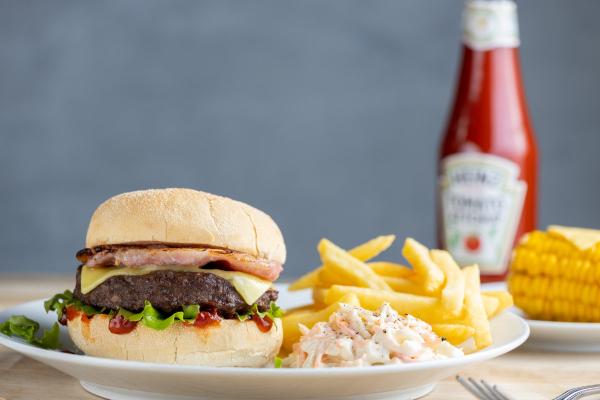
487,171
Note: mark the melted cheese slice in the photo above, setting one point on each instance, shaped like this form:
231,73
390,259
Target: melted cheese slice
248,286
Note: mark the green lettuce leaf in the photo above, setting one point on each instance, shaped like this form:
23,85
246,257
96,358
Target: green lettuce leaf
244,317
50,339
277,362
26,329
149,316
273,312
60,301
152,318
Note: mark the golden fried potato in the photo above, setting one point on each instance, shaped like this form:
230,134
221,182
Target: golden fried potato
294,310
424,307
504,298
428,272
490,304
341,263
453,292
372,248
456,334
433,289
318,296
404,285
363,252
474,307
386,268
328,277
306,281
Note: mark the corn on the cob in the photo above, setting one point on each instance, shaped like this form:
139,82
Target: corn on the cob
552,278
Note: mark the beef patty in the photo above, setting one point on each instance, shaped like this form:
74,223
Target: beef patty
168,291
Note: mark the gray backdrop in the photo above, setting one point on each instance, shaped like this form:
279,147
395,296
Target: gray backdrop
326,114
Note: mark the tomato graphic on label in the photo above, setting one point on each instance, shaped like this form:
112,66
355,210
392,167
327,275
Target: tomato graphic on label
472,243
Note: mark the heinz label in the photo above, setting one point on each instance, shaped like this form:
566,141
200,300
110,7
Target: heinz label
481,200
490,24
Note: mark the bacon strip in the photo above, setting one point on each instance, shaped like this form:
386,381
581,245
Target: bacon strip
136,256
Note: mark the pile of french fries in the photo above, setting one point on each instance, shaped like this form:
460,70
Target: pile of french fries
435,289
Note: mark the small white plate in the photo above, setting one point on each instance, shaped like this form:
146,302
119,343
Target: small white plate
126,380
557,336
563,336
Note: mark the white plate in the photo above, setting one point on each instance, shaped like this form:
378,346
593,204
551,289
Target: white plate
557,336
563,336
125,380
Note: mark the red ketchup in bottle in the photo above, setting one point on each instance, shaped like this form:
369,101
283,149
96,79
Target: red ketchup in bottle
487,182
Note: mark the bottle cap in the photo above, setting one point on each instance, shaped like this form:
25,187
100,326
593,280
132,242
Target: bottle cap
490,24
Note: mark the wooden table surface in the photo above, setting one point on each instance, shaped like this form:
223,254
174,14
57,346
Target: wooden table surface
523,374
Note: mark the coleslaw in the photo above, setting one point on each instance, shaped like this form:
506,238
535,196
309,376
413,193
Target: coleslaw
356,337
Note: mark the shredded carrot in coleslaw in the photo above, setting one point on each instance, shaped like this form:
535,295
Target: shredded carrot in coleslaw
356,337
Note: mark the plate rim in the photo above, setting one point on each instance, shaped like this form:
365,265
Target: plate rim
18,345
555,325
577,326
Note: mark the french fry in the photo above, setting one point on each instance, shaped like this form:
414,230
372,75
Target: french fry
363,252
423,307
300,308
291,330
504,298
299,311
386,268
372,248
318,296
456,334
328,277
490,304
475,310
341,263
404,285
435,290
309,318
453,293
428,272
306,281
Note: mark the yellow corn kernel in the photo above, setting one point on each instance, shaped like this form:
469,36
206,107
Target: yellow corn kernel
552,279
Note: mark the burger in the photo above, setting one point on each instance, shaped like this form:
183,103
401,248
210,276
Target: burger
177,276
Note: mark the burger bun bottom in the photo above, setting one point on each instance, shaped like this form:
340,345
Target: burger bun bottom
230,343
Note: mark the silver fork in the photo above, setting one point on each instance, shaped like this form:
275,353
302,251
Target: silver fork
485,391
